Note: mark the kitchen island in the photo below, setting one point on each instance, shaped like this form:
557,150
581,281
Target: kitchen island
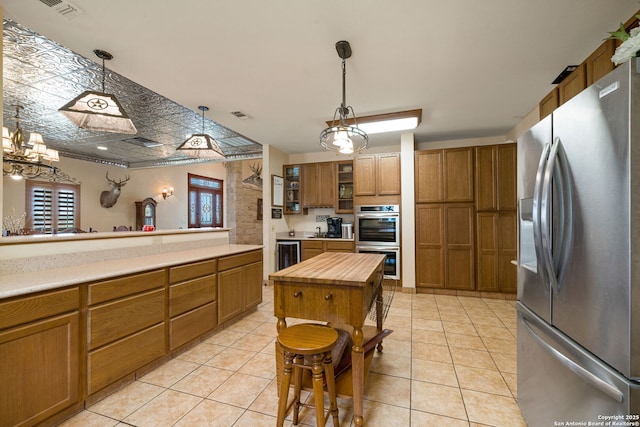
339,288
118,306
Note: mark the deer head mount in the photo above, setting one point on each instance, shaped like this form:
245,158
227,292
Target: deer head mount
110,197
254,180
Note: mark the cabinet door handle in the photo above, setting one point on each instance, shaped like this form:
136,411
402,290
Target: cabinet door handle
329,296
297,294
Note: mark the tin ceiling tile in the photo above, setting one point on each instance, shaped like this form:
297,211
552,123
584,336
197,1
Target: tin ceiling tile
42,76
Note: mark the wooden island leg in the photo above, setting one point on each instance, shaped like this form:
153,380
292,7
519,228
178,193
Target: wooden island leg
357,358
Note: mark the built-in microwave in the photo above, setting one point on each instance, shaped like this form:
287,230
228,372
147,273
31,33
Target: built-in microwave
377,225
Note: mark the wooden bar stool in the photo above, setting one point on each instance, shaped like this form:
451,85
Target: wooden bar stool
314,341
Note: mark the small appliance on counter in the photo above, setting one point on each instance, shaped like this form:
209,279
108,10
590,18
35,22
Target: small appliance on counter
347,230
334,227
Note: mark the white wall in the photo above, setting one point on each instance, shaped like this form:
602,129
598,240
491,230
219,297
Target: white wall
143,183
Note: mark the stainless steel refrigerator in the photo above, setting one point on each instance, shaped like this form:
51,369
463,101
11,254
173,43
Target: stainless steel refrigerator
579,258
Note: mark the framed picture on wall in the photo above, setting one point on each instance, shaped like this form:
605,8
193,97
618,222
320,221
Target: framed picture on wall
277,190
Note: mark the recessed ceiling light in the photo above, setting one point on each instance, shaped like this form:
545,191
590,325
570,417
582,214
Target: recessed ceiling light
102,147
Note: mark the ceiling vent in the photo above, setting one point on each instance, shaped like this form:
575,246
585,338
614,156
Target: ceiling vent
240,115
63,8
142,142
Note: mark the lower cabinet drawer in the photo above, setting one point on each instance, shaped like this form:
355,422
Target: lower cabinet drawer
308,302
114,320
114,361
192,324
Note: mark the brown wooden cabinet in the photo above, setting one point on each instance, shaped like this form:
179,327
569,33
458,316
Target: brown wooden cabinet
311,248
495,173
239,284
598,64
193,296
39,356
497,247
293,190
344,194
445,246
378,176
444,175
496,204
548,103
125,326
573,84
319,185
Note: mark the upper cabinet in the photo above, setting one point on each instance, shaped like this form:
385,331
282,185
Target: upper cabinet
344,202
377,175
319,185
573,84
444,175
549,103
496,177
598,64
293,193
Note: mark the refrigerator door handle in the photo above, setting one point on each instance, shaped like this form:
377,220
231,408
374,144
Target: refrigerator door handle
597,382
556,254
565,195
537,214
545,209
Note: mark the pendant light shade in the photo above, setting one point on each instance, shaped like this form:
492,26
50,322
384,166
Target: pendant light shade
99,110
201,144
343,134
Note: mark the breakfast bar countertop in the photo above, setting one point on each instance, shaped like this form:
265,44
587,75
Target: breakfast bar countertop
28,282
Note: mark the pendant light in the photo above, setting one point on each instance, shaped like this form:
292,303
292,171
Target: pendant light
340,136
99,110
30,159
202,144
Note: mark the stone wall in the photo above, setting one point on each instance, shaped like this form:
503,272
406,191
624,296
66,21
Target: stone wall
243,189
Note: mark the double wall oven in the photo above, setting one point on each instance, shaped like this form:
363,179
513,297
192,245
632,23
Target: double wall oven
378,231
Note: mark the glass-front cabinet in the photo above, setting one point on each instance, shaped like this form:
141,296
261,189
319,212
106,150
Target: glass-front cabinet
345,187
292,184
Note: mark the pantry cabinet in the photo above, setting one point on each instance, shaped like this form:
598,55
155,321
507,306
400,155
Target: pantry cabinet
495,174
444,175
445,246
497,247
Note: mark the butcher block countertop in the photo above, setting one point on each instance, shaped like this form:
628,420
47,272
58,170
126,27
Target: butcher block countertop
337,268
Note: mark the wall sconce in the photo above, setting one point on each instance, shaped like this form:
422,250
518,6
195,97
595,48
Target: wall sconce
167,192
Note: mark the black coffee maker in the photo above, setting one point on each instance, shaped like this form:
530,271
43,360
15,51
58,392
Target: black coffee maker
334,227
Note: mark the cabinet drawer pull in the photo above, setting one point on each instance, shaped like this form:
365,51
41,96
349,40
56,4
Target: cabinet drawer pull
297,294
329,296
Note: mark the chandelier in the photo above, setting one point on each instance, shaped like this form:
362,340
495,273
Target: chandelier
29,160
99,110
341,136
201,144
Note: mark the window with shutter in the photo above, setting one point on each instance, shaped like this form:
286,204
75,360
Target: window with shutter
52,207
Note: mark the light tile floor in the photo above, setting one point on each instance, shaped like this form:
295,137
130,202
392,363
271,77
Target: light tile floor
451,361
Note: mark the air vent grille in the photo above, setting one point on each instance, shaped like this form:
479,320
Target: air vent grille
63,7
240,115
142,142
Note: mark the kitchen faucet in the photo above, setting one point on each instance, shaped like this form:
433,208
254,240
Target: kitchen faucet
318,233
